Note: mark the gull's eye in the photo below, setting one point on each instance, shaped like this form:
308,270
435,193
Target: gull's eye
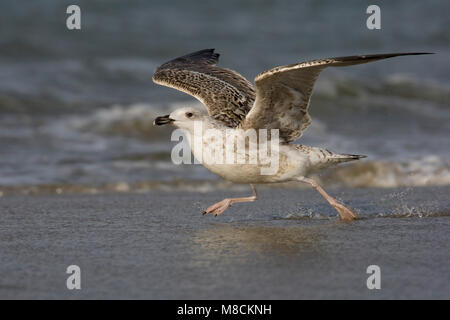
189,114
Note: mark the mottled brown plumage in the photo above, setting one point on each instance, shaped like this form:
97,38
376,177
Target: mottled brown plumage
227,95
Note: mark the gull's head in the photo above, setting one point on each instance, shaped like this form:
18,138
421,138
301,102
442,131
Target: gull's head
183,118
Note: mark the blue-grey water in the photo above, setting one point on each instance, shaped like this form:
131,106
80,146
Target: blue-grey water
86,179
76,107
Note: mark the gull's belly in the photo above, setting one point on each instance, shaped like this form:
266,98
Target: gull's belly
286,170
240,173
283,165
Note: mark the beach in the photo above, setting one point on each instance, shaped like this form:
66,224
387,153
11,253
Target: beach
86,179
287,245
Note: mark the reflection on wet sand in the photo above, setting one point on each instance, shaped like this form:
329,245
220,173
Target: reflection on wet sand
239,243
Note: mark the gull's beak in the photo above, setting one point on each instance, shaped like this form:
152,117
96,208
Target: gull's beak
159,121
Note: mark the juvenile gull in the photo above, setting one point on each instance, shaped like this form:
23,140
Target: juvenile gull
280,100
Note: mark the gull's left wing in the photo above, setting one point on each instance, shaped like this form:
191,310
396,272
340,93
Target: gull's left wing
283,94
226,94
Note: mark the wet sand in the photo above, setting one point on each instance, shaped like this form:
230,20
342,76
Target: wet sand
287,245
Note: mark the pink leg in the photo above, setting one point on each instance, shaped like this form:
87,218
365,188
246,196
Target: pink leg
223,205
344,212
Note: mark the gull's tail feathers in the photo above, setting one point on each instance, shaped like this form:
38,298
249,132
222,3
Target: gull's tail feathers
350,156
322,158
337,158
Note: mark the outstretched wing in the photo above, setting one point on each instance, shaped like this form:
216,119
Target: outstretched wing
226,94
283,94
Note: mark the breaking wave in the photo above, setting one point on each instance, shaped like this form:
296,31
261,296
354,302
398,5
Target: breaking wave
128,120
427,171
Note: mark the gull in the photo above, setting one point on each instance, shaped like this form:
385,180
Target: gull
279,100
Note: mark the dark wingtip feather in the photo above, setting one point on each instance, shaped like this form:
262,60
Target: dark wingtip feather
201,54
416,53
352,60
205,56
391,55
